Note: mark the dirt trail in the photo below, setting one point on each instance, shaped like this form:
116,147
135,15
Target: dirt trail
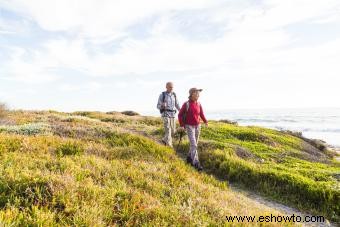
286,210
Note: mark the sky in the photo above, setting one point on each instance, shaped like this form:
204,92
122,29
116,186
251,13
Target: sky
104,55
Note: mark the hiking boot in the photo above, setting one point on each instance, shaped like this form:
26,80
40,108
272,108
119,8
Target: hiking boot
198,166
189,160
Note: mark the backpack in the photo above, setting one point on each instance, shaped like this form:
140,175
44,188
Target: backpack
163,99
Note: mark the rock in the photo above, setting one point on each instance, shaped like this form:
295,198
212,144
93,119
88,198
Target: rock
243,152
228,122
319,144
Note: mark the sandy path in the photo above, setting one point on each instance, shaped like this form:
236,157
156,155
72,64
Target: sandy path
278,206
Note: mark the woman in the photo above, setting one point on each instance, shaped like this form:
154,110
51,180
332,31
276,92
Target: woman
189,118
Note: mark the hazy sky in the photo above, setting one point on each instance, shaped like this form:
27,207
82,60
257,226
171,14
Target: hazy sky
116,55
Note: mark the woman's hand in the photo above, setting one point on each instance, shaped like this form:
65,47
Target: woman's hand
206,124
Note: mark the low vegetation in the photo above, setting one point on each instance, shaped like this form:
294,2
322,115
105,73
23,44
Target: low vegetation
99,169
279,165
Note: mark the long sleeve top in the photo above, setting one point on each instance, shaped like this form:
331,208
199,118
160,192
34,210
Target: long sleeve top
194,114
171,104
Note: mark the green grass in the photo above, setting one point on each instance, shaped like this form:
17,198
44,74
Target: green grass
288,173
70,148
99,169
111,187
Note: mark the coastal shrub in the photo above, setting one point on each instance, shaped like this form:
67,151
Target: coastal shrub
25,192
70,148
112,174
76,118
65,130
236,133
284,186
130,113
138,146
26,129
8,144
278,164
150,121
158,132
113,120
95,115
113,112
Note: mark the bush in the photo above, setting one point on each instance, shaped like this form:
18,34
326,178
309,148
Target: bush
113,112
130,113
153,121
25,192
70,148
113,120
26,129
9,144
138,146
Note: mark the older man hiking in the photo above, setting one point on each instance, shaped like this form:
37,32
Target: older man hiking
167,104
189,117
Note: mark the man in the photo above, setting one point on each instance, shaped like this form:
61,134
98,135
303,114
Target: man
167,104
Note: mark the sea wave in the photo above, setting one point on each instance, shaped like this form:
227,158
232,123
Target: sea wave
264,120
319,123
333,130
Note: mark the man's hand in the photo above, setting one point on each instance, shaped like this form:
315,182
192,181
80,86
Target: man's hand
206,124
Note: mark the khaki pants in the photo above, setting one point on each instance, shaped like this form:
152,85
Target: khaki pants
169,129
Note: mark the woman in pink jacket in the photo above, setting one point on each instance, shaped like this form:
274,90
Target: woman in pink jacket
189,118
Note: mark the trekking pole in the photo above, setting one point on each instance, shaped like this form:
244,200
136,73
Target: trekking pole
181,133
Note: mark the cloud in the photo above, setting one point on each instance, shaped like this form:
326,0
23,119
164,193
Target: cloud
87,87
215,44
248,35
12,26
96,18
26,67
277,14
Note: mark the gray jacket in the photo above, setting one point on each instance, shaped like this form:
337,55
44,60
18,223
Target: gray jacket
171,104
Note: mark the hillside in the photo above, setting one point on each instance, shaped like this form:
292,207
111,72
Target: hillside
97,169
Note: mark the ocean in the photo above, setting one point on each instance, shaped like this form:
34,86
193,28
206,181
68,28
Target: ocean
315,123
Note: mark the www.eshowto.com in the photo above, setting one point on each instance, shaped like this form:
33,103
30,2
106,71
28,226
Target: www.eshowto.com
276,219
